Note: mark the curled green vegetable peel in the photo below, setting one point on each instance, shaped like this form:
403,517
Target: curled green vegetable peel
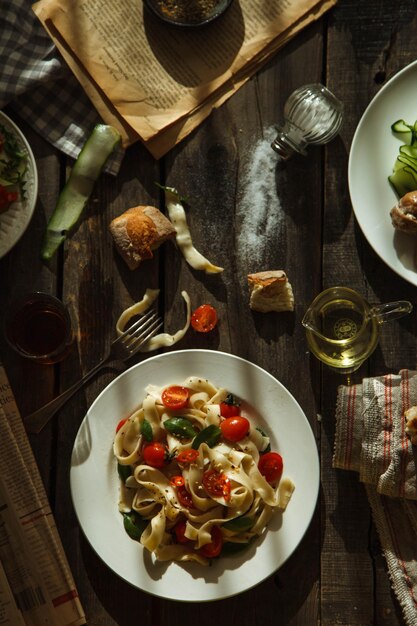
76,193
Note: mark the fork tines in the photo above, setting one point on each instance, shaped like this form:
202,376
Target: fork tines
139,332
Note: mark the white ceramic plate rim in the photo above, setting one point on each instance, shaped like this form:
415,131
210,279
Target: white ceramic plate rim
94,485
16,219
372,155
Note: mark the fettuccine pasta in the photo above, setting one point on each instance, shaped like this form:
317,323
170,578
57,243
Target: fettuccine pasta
197,478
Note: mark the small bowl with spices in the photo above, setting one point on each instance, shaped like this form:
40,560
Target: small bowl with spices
188,13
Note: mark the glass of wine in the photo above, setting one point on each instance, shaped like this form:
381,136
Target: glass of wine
38,327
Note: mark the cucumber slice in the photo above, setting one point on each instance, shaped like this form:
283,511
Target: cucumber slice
76,193
410,151
402,161
401,127
403,180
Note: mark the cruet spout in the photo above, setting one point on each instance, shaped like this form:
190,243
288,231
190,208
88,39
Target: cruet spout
309,321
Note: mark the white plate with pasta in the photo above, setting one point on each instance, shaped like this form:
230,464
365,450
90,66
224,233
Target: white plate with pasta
282,510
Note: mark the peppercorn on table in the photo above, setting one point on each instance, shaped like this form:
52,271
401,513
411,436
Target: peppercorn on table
247,211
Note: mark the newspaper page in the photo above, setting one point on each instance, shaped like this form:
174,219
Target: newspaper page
32,559
159,80
10,615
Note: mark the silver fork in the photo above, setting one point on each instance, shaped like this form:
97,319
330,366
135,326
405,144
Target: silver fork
121,349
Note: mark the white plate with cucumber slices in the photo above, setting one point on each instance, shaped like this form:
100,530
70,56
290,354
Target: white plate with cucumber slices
15,219
95,485
372,157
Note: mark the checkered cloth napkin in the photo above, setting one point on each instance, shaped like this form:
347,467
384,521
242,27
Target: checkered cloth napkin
371,440
36,83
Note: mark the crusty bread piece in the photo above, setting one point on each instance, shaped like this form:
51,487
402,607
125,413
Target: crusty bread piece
270,291
411,424
138,232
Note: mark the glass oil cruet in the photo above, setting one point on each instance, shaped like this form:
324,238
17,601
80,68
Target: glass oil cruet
313,115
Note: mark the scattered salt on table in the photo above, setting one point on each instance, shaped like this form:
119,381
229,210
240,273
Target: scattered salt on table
259,205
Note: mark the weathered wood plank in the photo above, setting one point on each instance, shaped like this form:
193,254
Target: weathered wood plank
98,287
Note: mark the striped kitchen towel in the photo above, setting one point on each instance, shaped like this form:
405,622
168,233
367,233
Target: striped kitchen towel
371,439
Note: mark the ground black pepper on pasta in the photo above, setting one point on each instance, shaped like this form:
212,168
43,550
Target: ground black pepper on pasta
188,10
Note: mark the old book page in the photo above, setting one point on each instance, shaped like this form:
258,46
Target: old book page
158,83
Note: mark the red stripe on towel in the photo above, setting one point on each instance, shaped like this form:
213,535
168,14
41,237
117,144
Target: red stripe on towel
387,420
405,398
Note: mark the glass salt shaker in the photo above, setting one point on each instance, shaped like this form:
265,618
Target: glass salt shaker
313,115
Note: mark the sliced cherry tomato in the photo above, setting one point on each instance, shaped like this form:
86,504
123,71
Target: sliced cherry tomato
184,497
120,424
187,456
179,532
6,197
175,397
177,481
235,428
213,549
154,454
204,318
216,484
270,465
229,410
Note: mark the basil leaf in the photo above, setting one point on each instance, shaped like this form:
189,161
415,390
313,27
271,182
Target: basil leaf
134,525
230,548
268,447
230,399
239,524
146,430
209,435
124,471
180,427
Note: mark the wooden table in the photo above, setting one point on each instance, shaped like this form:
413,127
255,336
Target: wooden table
337,575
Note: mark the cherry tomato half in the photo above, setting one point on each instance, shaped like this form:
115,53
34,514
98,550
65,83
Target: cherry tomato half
229,410
154,454
184,498
187,456
216,484
213,549
179,532
175,397
235,428
177,481
120,424
7,197
270,465
204,318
